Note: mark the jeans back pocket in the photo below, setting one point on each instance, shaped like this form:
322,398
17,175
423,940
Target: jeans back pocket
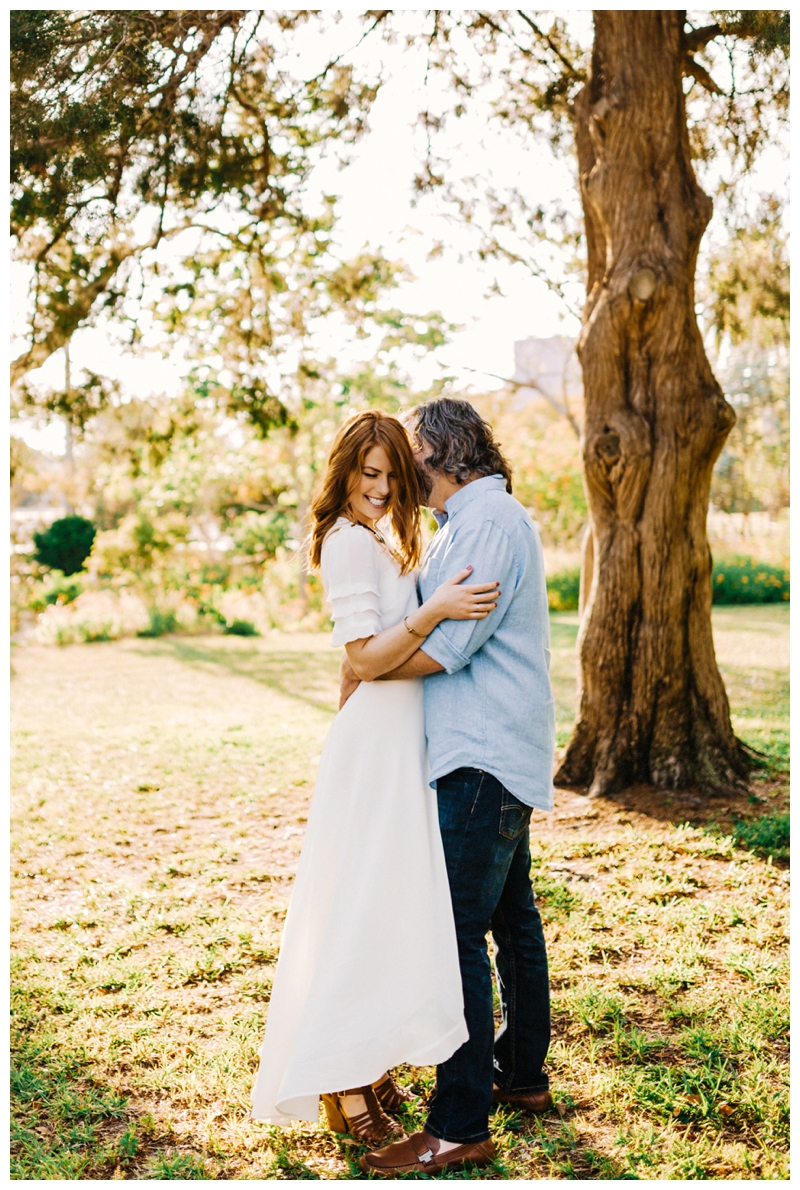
514,816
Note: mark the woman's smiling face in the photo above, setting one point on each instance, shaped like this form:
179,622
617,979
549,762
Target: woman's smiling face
374,487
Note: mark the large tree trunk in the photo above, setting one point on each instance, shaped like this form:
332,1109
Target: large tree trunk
652,703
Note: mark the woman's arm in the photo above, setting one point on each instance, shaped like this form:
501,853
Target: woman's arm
373,656
419,665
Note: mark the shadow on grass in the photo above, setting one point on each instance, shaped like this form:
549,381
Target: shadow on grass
62,1119
736,814
759,699
67,1123
311,678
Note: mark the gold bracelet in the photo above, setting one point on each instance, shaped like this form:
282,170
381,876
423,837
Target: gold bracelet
413,631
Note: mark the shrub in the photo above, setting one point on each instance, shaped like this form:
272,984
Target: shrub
563,589
160,623
741,579
241,628
768,835
242,611
65,545
62,589
93,616
736,579
260,534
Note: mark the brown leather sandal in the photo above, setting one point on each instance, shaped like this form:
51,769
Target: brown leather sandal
390,1096
371,1127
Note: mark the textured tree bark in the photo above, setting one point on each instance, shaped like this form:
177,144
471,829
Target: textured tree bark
652,703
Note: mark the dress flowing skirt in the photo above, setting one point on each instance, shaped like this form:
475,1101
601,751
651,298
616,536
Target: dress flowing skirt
368,973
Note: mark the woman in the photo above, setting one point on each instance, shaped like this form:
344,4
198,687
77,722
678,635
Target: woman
368,974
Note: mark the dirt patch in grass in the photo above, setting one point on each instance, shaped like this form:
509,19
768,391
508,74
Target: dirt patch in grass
161,794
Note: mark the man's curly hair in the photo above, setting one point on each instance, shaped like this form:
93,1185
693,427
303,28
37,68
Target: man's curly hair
462,444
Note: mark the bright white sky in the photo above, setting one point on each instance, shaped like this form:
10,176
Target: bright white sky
375,211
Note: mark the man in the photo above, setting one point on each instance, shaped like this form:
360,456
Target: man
490,722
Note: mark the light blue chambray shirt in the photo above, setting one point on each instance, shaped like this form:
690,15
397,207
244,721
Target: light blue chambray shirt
493,708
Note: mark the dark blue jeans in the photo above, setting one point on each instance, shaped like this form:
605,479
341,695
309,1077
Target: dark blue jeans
487,851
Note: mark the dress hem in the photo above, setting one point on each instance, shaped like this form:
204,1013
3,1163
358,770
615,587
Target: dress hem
432,1055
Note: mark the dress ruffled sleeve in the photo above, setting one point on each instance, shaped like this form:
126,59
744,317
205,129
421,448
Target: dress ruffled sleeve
350,575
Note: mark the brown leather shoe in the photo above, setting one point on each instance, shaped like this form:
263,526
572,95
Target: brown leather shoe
418,1154
537,1102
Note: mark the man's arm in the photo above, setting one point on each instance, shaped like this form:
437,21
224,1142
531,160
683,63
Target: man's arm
419,665
416,667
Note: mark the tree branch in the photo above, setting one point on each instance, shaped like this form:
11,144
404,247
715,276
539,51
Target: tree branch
698,39
380,15
565,62
700,74
39,352
526,53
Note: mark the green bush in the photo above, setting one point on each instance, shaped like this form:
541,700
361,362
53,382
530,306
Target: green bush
563,589
62,590
260,534
741,579
65,545
241,628
160,623
736,579
768,835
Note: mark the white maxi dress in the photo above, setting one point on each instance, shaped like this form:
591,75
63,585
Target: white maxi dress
368,973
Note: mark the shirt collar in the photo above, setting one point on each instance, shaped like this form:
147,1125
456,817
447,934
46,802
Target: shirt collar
469,492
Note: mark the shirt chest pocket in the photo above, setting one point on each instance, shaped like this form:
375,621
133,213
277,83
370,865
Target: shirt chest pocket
429,578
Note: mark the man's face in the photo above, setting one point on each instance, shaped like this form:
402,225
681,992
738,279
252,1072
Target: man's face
426,477
436,486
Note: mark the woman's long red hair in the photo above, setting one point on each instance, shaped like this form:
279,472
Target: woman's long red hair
353,442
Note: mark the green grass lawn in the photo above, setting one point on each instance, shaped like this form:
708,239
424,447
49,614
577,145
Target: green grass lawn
160,794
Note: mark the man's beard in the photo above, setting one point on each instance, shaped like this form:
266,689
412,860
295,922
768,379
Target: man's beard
426,481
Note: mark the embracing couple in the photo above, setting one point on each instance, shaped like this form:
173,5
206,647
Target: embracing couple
417,843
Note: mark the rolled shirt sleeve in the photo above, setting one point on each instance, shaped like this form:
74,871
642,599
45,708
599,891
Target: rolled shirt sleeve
488,548
350,573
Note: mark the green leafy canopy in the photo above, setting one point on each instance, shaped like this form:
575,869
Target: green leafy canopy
131,126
